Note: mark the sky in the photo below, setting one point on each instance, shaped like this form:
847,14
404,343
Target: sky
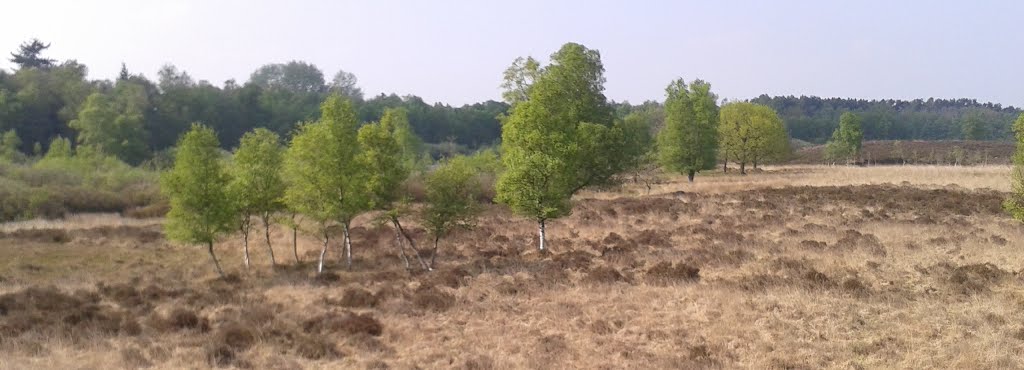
454,51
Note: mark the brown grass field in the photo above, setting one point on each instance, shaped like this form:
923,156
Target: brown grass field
798,267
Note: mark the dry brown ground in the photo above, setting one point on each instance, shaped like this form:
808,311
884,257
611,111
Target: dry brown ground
799,267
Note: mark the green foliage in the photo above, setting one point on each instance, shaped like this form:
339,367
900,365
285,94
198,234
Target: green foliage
326,181
452,193
256,185
814,119
751,133
197,188
846,140
518,78
381,157
114,126
558,140
28,55
59,148
689,141
411,147
1014,204
9,144
972,125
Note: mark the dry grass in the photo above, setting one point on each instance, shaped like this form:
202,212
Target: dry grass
796,267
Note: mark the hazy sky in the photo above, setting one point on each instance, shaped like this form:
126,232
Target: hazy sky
454,51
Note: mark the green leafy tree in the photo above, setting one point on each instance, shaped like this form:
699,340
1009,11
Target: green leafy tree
326,181
559,140
518,78
59,148
113,127
197,189
9,144
972,126
452,192
256,184
689,141
846,139
346,84
1014,204
751,133
381,157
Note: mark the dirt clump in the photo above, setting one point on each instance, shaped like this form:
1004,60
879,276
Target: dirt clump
345,322
666,272
605,275
433,299
357,297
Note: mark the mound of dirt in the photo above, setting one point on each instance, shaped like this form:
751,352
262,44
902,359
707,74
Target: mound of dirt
51,311
666,272
346,322
605,275
433,299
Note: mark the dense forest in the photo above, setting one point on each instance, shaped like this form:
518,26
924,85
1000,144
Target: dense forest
43,99
140,119
813,119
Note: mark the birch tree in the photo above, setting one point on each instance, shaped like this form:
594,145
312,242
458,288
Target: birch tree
751,132
560,139
387,165
200,208
689,141
256,184
326,181
452,192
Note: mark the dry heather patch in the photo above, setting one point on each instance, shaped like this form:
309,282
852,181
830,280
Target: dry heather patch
780,269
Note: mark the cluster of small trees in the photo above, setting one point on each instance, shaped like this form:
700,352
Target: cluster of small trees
561,136
331,171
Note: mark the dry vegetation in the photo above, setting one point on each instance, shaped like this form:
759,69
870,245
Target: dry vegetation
790,268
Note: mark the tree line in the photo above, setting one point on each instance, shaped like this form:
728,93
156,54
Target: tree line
138,119
813,119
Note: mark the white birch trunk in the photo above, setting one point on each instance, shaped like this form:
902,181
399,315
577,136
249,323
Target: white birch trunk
323,253
266,230
543,238
348,247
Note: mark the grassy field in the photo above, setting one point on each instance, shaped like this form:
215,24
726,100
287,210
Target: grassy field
797,267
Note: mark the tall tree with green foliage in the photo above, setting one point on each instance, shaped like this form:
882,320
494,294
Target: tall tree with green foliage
197,188
59,148
113,127
452,192
327,182
560,139
256,184
9,144
751,133
1014,204
846,139
381,157
689,141
518,78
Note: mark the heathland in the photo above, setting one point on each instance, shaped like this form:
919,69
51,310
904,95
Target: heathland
789,267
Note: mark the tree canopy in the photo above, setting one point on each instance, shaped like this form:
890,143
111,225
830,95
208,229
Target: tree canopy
689,141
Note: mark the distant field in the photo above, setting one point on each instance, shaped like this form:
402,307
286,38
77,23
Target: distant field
920,152
793,267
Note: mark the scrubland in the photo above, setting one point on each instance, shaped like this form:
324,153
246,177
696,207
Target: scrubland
797,267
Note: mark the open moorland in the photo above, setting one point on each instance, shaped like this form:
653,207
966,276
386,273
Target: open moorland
797,267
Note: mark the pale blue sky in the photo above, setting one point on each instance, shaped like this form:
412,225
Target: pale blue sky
454,51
